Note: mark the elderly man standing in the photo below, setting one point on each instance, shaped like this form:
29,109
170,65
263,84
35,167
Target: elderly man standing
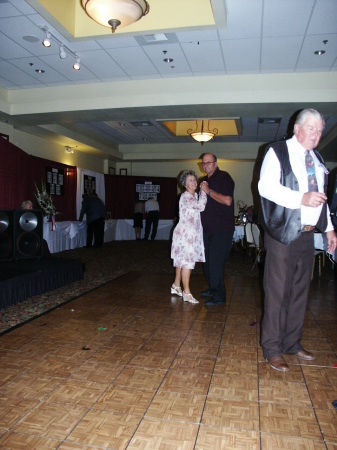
218,227
293,204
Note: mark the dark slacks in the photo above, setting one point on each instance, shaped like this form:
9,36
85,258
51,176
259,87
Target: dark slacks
95,229
287,274
152,219
217,250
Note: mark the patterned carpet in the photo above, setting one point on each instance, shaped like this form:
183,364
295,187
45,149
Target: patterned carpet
115,259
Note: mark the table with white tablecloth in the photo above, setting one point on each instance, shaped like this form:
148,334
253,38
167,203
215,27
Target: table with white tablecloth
67,235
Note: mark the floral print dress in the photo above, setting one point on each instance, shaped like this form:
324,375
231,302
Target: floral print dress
187,242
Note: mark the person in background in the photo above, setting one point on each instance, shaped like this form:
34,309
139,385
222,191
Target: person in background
187,241
138,215
95,211
251,217
219,224
290,211
27,204
152,218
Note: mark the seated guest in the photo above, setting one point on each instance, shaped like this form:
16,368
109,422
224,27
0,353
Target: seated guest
251,217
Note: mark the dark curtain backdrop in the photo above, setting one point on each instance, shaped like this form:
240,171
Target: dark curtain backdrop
19,171
120,195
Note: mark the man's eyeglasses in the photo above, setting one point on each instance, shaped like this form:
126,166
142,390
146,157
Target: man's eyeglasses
208,163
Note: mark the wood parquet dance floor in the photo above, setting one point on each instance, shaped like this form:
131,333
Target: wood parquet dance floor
128,366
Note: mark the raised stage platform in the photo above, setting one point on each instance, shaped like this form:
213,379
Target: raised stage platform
25,278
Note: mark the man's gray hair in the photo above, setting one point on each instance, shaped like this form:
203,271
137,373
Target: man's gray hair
301,117
184,176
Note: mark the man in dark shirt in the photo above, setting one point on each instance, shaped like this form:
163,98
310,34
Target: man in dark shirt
95,211
218,227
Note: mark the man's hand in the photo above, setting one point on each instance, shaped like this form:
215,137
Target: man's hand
313,199
204,187
332,241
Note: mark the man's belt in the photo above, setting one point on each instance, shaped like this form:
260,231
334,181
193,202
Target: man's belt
307,228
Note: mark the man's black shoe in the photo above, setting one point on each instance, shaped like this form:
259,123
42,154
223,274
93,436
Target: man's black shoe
207,293
211,302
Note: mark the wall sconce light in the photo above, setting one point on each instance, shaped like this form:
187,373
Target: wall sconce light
77,64
68,149
115,13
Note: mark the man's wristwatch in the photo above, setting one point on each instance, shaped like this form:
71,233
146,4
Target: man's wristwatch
210,192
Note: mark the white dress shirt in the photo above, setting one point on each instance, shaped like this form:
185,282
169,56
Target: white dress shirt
270,187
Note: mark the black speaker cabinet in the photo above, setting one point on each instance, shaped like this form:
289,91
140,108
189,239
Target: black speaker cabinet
28,234
6,235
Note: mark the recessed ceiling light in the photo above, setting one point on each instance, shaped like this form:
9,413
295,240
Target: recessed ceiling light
30,38
319,52
40,71
168,60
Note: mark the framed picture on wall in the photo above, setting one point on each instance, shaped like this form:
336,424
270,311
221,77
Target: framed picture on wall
123,171
112,171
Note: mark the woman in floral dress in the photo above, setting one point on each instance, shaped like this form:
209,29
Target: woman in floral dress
187,242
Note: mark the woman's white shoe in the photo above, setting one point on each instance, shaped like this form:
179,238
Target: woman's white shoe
189,298
176,290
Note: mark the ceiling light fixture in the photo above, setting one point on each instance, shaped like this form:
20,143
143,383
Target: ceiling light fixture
64,50
202,135
115,13
167,60
319,52
46,41
63,54
77,64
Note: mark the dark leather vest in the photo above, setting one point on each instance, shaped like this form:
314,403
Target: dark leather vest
281,223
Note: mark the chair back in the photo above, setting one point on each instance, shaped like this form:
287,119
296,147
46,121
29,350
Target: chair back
257,236
249,233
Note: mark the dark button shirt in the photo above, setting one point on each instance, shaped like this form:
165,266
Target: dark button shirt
217,216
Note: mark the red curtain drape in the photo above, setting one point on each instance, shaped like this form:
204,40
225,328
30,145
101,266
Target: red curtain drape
18,173
120,195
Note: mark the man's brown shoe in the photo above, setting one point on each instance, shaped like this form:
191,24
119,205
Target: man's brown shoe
303,354
278,363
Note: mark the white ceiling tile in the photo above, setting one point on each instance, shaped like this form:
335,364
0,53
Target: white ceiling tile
286,17
242,54
315,42
15,76
244,19
10,49
324,17
157,55
133,61
65,67
8,10
22,6
280,52
205,54
101,64
116,42
30,65
197,36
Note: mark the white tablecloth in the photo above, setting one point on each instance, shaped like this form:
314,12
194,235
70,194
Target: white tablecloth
122,230
321,243
67,235
239,233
